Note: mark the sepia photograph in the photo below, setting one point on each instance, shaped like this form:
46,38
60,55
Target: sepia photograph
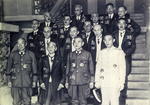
74,52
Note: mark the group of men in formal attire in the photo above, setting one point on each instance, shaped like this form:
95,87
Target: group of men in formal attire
87,52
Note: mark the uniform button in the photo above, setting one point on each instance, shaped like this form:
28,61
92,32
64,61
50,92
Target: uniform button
76,71
21,59
77,66
21,63
21,68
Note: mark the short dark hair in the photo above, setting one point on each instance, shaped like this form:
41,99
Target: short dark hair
121,19
109,35
110,4
35,20
78,37
87,21
22,39
123,7
74,27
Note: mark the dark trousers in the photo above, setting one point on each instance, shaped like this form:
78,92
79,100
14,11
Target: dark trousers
50,96
21,95
79,94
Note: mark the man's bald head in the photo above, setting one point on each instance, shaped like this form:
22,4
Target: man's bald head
97,29
47,31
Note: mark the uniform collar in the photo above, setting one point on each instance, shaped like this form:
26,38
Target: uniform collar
112,48
123,31
79,52
22,52
67,26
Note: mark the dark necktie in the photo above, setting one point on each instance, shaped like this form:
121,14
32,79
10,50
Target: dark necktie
98,41
121,34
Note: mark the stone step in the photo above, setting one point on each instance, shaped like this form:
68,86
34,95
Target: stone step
140,45
141,37
139,20
140,63
143,70
136,15
143,29
140,56
137,101
141,41
143,50
138,78
138,85
138,93
141,24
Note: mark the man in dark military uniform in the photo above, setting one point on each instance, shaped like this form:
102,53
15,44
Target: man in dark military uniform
125,40
21,74
79,73
48,23
52,78
87,34
131,25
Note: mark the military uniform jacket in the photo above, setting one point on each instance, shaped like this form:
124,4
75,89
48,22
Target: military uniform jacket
110,68
22,69
92,48
83,36
131,26
128,46
80,68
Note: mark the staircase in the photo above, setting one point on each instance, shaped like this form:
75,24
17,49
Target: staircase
138,81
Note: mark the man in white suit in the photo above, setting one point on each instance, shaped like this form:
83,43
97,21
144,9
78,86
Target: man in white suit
110,72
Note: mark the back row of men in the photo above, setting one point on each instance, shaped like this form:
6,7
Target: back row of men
90,30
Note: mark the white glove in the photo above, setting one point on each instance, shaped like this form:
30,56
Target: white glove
9,84
60,87
43,86
67,85
121,87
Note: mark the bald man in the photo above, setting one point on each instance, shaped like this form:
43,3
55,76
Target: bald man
21,73
96,43
43,40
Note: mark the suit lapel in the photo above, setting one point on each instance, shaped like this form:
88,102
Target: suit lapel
117,37
55,62
46,62
125,37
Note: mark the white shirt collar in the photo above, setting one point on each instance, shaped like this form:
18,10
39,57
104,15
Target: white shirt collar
123,31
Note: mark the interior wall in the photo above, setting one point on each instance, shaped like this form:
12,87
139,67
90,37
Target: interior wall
17,7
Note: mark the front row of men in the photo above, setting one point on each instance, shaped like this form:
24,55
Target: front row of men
76,71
